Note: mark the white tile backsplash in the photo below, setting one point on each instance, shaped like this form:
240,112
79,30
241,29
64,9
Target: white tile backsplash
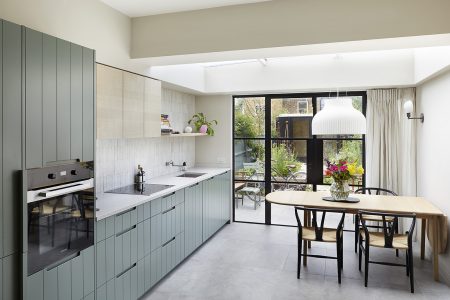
117,159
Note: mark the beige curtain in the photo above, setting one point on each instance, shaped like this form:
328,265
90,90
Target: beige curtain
390,141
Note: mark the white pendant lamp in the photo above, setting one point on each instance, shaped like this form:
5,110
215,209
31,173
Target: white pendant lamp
339,117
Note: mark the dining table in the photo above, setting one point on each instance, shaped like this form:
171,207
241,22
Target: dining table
422,208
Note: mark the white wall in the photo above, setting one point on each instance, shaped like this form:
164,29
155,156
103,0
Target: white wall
89,23
215,151
117,159
430,61
433,148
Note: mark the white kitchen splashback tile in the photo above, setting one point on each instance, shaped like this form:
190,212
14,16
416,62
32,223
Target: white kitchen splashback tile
117,159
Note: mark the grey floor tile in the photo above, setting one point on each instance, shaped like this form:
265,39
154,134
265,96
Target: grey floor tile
246,261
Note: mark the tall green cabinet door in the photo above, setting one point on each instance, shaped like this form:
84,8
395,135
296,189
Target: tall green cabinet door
63,103
1,140
11,120
33,98
49,123
76,102
88,104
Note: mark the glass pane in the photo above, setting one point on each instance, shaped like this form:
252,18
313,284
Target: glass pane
249,117
357,103
285,215
291,117
249,201
335,150
288,163
249,158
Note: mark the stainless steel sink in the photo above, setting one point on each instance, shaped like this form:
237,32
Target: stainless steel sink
191,175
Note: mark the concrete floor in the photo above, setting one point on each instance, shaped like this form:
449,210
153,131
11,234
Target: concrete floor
246,261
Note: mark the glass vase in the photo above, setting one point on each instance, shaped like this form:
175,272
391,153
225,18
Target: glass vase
340,189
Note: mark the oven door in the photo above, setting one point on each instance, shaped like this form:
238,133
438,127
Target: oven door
60,223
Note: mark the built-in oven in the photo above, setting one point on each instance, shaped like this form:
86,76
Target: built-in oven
60,214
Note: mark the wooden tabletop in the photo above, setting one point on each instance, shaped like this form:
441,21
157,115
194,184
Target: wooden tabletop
238,185
390,204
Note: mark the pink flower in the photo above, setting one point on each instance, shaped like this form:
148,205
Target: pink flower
343,168
334,168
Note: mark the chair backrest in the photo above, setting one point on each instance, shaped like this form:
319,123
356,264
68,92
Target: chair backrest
374,191
388,226
318,229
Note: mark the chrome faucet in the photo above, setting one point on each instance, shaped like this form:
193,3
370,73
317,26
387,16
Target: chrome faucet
182,166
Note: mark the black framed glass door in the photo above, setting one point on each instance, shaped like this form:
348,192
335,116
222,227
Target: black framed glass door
274,149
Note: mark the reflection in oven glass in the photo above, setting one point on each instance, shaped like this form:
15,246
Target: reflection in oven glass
58,227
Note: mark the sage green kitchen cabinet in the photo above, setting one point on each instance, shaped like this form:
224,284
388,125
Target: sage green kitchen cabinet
193,217
172,253
144,235
59,100
126,284
11,140
144,275
71,280
35,286
216,203
155,266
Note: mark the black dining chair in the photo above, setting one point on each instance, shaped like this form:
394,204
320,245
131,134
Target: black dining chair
387,239
319,233
371,191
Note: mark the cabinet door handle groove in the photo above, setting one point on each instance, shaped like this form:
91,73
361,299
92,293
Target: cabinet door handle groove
166,196
63,261
167,210
166,243
126,230
126,270
126,211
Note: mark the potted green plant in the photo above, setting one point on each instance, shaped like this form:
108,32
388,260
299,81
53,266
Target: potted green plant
202,124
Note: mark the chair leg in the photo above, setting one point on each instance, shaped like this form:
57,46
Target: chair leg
360,254
299,257
396,231
356,232
339,268
366,264
407,263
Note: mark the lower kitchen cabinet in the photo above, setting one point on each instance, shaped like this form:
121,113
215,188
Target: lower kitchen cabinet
71,280
216,204
125,248
193,218
137,248
172,253
126,284
106,291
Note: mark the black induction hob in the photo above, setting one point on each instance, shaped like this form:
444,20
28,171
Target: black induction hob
140,189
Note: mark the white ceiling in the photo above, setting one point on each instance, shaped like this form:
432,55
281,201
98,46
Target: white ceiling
139,8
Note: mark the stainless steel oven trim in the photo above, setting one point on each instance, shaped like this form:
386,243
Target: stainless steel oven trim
55,191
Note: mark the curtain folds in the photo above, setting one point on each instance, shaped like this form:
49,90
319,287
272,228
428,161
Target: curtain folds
390,141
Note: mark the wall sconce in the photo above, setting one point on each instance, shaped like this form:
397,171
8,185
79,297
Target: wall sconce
409,108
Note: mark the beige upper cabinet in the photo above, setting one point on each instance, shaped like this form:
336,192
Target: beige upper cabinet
128,105
133,105
152,108
109,102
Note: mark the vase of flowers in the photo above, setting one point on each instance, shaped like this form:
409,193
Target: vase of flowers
341,173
